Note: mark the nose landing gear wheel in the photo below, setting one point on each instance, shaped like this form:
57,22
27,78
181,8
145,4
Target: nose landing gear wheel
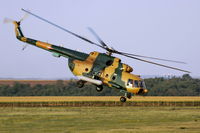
99,88
122,99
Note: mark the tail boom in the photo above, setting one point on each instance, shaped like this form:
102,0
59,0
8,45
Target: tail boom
68,53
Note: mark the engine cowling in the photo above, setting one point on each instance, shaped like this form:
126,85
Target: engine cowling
127,68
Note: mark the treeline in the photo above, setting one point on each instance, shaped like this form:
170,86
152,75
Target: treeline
58,89
174,86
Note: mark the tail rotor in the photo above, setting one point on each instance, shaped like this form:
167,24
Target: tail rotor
9,20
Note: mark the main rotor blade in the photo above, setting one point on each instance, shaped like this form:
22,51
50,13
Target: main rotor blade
97,37
83,38
155,63
153,58
104,46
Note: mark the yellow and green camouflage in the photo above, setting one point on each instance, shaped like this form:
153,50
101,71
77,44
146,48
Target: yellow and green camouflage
98,66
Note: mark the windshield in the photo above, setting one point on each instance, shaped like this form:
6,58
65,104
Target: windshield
142,84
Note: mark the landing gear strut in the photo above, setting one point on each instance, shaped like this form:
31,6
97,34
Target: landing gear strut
80,83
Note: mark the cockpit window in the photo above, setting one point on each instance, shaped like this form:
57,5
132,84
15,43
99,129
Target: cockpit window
130,83
136,83
141,84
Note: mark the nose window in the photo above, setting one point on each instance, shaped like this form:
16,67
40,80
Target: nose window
142,84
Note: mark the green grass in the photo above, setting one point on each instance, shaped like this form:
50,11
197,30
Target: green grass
100,120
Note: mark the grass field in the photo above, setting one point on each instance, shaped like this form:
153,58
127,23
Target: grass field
103,101
95,98
100,120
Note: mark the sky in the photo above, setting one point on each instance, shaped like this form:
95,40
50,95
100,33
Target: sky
167,29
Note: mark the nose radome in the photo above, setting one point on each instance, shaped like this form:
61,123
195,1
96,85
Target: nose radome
145,91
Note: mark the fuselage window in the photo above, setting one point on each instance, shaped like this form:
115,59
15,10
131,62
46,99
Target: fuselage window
114,77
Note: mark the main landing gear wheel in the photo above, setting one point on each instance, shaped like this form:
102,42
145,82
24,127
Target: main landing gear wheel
126,95
123,99
99,88
80,83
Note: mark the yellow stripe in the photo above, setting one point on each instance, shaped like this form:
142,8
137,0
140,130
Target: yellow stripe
43,45
24,39
109,71
84,66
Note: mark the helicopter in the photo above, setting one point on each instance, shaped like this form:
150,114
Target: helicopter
100,69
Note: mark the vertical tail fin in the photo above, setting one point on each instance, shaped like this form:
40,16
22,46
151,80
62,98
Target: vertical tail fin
18,31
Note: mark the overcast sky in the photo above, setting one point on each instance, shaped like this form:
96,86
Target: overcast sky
160,28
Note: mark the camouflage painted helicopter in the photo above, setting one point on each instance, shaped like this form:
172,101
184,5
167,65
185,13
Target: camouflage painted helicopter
100,69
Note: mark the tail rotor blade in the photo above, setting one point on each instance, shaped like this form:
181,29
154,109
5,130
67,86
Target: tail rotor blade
24,17
7,20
